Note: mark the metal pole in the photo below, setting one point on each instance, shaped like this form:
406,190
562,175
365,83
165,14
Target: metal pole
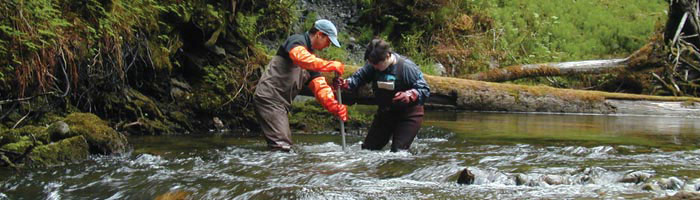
342,124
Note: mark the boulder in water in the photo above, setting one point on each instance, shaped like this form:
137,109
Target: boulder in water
61,152
555,180
466,177
671,183
635,177
522,179
101,138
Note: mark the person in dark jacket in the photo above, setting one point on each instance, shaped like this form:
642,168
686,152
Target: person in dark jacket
400,92
293,67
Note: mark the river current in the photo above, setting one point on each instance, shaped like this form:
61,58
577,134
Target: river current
513,156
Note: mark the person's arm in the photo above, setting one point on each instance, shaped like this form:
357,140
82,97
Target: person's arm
360,77
420,91
306,60
324,95
420,85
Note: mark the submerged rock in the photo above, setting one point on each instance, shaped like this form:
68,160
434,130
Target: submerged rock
466,177
58,153
650,187
174,195
682,195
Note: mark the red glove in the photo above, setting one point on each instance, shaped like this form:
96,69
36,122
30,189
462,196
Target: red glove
408,96
325,96
341,83
305,59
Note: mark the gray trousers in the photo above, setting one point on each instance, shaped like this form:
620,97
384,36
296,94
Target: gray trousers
274,123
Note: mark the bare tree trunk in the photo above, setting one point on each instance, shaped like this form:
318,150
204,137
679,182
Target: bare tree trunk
548,69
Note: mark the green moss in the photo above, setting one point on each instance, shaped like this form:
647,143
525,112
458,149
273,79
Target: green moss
180,118
15,135
18,147
143,105
101,138
65,151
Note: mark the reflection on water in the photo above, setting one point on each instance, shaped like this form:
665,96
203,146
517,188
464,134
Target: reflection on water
662,132
514,156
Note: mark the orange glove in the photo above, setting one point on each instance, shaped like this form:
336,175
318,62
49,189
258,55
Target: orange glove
305,59
325,96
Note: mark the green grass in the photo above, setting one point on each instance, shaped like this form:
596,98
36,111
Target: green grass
535,31
468,35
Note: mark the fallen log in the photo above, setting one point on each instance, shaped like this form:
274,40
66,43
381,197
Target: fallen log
463,94
548,69
651,55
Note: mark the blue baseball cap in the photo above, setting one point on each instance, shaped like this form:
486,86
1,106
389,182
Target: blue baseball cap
329,29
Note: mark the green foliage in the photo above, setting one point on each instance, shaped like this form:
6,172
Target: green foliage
533,31
475,35
366,35
411,47
334,53
309,20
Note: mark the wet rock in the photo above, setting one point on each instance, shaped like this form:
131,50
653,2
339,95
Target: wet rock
635,177
650,187
672,183
101,138
692,185
682,195
466,177
584,179
555,180
59,130
174,195
218,124
522,179
58,153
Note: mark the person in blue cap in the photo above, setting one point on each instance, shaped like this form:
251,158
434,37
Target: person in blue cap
294,66
399,91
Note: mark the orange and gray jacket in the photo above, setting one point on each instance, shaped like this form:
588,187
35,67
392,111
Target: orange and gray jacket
299,67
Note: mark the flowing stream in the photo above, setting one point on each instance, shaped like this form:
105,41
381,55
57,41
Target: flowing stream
513,156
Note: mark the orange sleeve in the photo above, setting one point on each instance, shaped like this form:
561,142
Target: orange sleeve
324,95
306,60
